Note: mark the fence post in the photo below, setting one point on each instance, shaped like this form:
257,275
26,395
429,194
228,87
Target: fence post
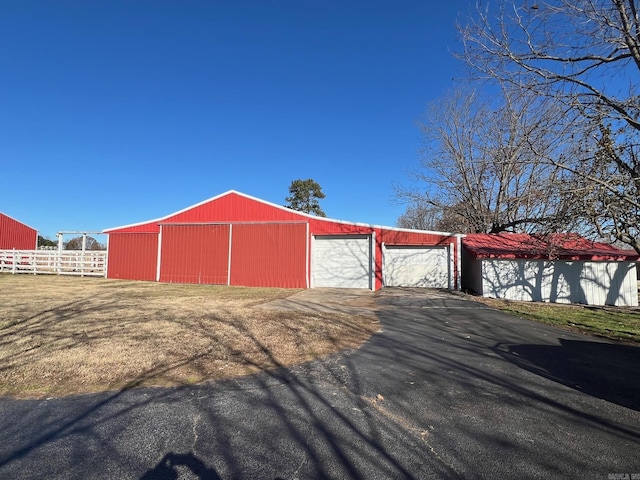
83,258
15,261
59,256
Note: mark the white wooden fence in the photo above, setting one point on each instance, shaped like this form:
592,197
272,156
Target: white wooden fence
65,262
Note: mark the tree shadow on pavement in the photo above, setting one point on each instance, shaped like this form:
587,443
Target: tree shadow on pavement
168,468
431,396
296,422
604,370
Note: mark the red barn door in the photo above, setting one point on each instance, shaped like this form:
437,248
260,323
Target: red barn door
195,254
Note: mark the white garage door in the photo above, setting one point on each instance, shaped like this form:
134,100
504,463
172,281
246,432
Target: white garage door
342,261
416,266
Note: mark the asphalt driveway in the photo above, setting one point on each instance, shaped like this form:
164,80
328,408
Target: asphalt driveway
448,389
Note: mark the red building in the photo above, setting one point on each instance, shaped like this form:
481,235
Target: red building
15,234
559,268
235,239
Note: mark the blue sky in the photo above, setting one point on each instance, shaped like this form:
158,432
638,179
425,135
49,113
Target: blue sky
119,112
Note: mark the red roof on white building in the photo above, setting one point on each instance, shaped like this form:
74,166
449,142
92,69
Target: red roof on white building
552,247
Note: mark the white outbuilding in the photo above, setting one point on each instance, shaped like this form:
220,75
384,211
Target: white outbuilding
563,268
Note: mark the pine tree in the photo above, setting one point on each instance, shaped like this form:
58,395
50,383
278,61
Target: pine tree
304,196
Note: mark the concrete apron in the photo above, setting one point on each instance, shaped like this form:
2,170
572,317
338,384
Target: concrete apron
351,301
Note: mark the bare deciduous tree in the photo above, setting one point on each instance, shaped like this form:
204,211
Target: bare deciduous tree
613,204
91,244
481,169
420,216
584,55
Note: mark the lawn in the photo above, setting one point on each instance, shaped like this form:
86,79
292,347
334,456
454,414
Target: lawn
67,335
621,324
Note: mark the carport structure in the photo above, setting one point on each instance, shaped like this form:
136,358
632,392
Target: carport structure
236,239
560,268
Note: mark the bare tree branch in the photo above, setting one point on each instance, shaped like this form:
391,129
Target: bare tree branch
480,168
584,56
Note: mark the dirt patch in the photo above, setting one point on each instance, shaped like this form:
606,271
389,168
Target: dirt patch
61,335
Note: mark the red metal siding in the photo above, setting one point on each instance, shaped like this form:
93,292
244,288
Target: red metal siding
230,207
269,255
14,234
195,254
263,254
151,227
133,256
401,237
233,208
328,227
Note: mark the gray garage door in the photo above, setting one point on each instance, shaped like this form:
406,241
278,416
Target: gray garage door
342,261
416,266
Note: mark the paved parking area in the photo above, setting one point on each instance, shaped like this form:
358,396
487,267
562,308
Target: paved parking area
448,389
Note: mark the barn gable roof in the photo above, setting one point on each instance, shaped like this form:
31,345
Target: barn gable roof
15,234
234,206
552,247
214,209
24,225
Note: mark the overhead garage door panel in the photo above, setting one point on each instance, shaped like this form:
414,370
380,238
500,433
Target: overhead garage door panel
342,261
411,266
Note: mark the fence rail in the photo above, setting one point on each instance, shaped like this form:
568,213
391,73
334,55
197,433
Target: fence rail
65,262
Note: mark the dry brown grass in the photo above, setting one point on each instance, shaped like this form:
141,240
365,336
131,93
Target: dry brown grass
61,335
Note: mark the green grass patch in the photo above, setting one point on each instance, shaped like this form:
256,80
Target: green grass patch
609,322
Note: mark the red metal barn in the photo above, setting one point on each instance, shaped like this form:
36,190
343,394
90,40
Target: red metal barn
15,234
235,239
